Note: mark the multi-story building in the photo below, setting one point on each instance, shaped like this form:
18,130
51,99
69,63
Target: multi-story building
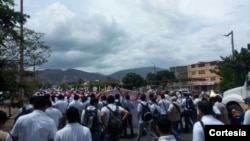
197,76
202,76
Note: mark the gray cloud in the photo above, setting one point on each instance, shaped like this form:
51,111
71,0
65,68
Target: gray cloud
108,36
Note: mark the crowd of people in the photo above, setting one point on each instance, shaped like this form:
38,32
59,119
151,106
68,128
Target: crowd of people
109,117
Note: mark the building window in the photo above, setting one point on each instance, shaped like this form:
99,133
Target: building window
192,66
213,63
213,78
202,72
193,72
201,65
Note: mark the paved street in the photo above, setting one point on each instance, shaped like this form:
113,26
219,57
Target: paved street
184,137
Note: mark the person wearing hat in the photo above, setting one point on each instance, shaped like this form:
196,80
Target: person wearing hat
247,113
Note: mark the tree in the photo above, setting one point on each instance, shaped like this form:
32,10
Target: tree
161,77
98,84
134,79
233,72
8,20
36,52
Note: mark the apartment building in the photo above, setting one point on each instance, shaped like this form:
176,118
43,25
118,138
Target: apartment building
197,77
203,79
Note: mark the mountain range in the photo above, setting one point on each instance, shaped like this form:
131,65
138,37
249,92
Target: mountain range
57,76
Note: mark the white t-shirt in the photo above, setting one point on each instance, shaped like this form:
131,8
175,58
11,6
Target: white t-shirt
154,107
54,113
216,110
167,138
73,132
77,104
107,112
36,126
61,105
198,131
247,118
164,105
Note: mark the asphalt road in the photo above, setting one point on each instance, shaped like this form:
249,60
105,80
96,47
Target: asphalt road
184,137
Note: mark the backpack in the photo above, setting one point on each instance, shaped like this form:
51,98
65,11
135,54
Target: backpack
189,104
115,121
146,114
156,114
118,103
23,112
91,120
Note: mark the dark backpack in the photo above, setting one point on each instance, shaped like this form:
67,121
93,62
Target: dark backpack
115,122
91,120
146,114
23,112
118,103
156,114
190,104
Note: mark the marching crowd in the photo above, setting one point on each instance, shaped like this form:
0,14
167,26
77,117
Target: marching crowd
159,116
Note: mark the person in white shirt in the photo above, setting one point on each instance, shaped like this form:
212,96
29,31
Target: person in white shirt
174,114
4,136
73,130
62,106
156,111
143,124
28,106
128,105
92,110
196,100
205,117
246,120
77,103
105,115
53,113
164,105
36,126
163,127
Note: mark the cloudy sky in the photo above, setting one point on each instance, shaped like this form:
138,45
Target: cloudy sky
106,36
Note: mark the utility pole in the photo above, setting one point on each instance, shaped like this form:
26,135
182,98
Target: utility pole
21,81
154,73
232,42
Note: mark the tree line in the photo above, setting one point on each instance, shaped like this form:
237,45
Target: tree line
36,53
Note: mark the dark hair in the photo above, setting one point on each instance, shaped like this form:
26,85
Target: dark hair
196,96
76,97
93,101
60,96
40,102
72,114
49,103
32,99
163,96
218,98
3,117
104,97
212,99
143,97
127,97
92,96
206,107
151,95
164,124
111,99
117,96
